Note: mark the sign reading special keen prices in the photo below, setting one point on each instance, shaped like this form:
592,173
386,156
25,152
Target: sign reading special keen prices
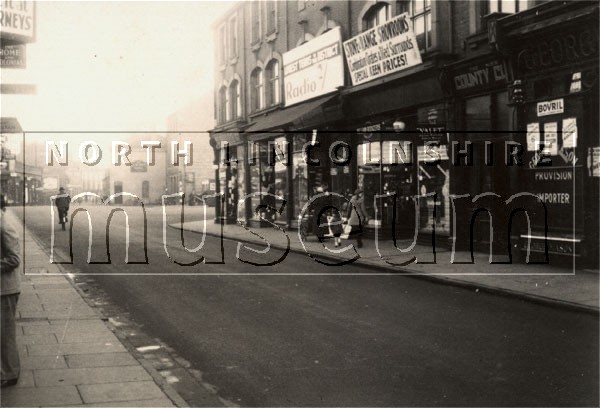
315,68
17,20
384,49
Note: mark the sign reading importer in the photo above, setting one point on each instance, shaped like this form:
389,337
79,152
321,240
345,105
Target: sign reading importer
315,68
387,48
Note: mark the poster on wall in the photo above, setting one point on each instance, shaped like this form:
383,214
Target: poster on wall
594,161
533,136
551,138
569,133
384,49
315,68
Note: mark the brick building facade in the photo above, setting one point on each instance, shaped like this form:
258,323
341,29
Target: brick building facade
432,100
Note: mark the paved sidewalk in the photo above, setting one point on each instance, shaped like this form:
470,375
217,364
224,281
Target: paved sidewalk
549,284
69,356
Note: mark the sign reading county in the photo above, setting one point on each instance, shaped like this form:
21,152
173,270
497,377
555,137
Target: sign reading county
387,48
315,68
17,20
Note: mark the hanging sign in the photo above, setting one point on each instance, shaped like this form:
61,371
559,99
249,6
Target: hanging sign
384,49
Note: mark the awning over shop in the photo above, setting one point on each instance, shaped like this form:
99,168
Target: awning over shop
393,97
232,138
301,116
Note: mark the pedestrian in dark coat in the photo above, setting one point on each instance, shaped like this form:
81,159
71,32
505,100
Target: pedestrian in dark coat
10,289
358,216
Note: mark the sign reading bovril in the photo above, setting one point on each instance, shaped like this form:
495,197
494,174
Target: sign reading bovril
384,49
17,20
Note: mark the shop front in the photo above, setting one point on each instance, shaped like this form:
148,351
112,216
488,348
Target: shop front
484,123
230,170
553,51
399,146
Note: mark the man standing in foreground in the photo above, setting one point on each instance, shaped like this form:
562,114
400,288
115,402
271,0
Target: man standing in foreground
10,289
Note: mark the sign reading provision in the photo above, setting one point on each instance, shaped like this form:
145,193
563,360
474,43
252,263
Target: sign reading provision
387,48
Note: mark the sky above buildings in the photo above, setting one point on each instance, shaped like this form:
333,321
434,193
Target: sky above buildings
114,65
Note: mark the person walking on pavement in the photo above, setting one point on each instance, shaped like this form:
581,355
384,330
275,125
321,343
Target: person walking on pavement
357,216
10,289
62,202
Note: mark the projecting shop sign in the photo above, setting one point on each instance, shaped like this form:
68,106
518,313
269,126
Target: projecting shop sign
315,68
17,20
387,48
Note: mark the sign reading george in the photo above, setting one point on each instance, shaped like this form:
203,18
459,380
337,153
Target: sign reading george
387,48
315,68
17,20
12,56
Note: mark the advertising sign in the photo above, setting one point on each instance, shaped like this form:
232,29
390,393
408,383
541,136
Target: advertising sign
12,56
314,69
17,20
387,48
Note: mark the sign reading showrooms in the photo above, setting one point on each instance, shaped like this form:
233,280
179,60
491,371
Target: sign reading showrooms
315,68
17,20
387,48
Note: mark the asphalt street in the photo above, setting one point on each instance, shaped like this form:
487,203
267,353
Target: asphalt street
327,340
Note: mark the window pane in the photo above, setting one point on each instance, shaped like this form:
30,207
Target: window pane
419,25
418,6
523,5
428,29
508,6
493,6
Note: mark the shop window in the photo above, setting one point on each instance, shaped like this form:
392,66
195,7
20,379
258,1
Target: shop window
274,83
235,99
256,21
507,6
378,14
258,89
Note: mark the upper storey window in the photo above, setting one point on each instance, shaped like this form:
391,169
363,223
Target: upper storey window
420,11
258,89
271,17
379,13
255,12
507,6
233,37
274,84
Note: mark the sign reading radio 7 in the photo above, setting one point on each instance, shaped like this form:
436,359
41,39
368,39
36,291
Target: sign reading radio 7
315,68
17,20
384,49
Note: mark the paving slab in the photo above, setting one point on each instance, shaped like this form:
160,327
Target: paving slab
44,338
35,397
74,348
42,362
139,403
100,360
95,375
114,392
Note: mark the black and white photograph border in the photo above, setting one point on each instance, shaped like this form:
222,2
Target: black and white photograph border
300,203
